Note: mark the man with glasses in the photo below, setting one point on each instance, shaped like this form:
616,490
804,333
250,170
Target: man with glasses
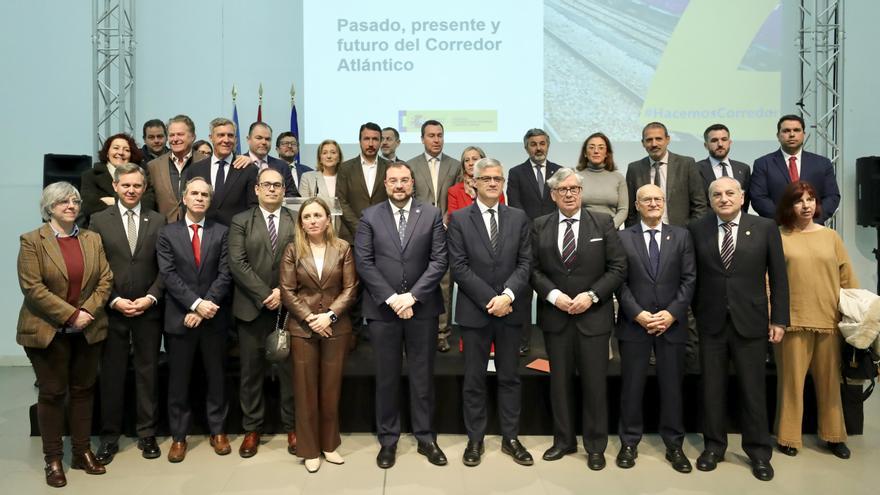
577,264
259,140
287,147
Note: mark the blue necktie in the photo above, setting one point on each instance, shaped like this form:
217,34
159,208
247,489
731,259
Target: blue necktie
653,253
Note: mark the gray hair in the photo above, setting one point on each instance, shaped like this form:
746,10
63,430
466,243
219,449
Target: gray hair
484,163
220,121
563,174
534,132
712,185
129,168
197,179
55,193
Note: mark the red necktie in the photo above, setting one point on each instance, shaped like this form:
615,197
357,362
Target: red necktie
197,244
792,168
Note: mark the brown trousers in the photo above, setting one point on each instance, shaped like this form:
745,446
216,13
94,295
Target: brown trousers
819,353
317,384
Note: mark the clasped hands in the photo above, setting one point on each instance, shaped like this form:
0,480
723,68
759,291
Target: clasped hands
320,324
131,308
655,323
500,305
204,311
402,305
576,306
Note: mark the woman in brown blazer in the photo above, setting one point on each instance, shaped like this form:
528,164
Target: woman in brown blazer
66,281
318,286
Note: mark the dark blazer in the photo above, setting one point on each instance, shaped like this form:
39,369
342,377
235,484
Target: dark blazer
351,190
770,177
300,170
481,273
185,283
742,289
252,264
600,267
282,168
685,194
522,189
168,200
672,289
740,172
385,267
135,275
447,175
97,183
238,189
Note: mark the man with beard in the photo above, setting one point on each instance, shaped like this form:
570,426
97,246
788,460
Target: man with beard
716,139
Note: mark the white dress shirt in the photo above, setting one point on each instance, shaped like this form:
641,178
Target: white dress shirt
123,210
370,173
716,166
647,235
395,214
734,232
664,173
484,211
786,156
201,224
575,227
215,162
435,174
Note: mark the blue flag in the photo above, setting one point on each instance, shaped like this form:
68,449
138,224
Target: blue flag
294,128
237,134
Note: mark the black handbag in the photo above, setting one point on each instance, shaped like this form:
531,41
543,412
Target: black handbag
860,364
278,342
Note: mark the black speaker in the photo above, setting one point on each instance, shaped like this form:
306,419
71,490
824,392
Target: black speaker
868,191
64,167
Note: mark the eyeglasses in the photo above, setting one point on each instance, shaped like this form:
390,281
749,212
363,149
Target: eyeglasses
647,201
271,185
69,201
287,144
485,179
565,191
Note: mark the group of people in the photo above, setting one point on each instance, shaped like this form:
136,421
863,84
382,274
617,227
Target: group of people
640,256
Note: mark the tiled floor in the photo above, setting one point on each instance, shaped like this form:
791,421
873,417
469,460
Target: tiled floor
813,471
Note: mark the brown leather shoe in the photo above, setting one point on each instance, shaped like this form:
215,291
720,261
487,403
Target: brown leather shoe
221,444
55,474
177,452
291,442
249,444
87,462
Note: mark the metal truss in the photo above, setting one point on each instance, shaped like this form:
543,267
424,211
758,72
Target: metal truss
113,68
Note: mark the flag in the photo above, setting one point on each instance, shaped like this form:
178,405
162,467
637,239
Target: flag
294,128
260,105
235,120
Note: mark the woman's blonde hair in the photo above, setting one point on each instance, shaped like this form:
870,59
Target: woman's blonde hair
302,239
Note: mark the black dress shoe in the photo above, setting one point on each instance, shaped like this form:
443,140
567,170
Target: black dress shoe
839,449
678,460
555,453
762,470
442,345
785,449
626,458
105,452
472,453
513,448
708,461
432,451
387,456
596,460
149,448
524,350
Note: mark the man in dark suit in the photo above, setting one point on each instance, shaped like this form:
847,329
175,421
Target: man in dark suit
233,187
677,176
129,232
287,147
400,254
654,299
257,238
716,139
192,256
155,140
773,172
489,257
577,264
735,252
259,140
359,180
527,190
390,142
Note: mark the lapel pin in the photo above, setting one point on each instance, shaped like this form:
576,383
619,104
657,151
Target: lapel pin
748,232
669,237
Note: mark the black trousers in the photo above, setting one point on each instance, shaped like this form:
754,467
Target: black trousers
255,367
477,343
634,357
142,336
571,351
181,351
419,337
748,355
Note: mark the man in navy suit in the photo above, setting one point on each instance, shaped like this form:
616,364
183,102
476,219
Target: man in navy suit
527,190
287,147
716,139
400,254
259,141
489,257
192,256
654,300
773,172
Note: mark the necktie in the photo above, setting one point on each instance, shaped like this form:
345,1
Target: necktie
792,168
401,226
493,230
434,177
197,244
724,170
220,178
273,234
540,178
727,244
653,253
658,179
569,248
132,231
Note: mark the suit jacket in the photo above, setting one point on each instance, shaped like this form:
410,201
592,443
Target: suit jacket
685,195
97,183
312,184
770,178
740,172
303,292
386,268
134,275
238,189
300,170
351,189
283,168
600,267
447,176
252,264
522,189
741,290
672,289
482,273
185,283
42,276
168,200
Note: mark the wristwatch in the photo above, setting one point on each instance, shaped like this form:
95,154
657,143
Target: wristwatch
333,317
593,296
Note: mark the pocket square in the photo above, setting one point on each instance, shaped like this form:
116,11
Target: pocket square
597,239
